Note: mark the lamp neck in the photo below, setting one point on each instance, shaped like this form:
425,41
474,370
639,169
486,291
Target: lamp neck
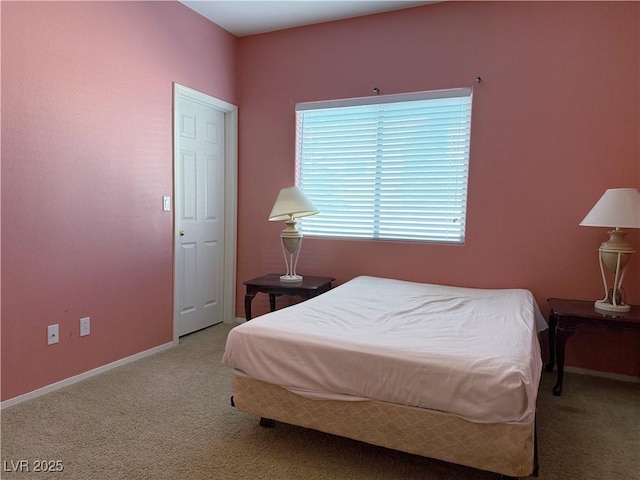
616,242
290,229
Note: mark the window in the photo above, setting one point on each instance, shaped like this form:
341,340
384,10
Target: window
386,167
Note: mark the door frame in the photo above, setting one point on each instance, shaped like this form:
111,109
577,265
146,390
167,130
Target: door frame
230,196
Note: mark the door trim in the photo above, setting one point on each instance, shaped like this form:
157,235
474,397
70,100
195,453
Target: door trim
230,196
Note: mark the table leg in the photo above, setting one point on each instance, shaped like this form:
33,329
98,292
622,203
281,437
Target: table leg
562,334
553,322
248,298
272,302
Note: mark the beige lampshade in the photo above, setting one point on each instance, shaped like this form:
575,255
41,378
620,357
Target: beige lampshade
291,202
618,207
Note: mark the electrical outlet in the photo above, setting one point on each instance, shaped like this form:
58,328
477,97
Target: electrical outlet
85,326
52,334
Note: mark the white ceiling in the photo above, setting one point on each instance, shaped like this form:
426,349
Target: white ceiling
248,17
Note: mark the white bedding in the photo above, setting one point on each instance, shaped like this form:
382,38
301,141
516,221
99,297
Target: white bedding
469,352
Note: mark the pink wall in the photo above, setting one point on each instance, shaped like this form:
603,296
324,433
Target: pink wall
86,158
555,123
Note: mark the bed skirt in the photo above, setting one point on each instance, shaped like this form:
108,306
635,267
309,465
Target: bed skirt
507,449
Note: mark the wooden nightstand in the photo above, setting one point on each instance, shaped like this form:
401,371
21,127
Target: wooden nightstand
567,315
271,284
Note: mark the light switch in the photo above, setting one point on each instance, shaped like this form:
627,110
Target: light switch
166,203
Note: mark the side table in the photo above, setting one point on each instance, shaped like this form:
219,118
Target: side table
567,315
271,284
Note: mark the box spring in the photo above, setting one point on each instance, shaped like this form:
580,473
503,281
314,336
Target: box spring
507,449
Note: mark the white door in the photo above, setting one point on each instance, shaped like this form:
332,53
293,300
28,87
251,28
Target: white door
199,213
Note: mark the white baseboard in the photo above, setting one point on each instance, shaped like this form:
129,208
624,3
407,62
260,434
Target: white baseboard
237,320
595,373
82,376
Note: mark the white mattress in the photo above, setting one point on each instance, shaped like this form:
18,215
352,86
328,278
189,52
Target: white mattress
469,352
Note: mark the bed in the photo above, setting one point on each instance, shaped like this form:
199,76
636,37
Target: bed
445,372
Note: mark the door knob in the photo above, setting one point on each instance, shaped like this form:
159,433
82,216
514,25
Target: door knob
182,233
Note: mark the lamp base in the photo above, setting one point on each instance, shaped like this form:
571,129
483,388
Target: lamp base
609,307
291,278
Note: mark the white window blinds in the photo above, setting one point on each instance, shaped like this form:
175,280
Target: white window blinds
386,167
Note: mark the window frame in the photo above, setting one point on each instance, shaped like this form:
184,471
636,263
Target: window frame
377,101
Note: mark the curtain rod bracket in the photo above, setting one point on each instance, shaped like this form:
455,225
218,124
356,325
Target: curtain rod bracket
478,79
376,90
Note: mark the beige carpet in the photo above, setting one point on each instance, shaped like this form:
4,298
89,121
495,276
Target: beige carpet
168,417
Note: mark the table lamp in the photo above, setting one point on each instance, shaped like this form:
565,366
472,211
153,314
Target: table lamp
618,208
291,203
